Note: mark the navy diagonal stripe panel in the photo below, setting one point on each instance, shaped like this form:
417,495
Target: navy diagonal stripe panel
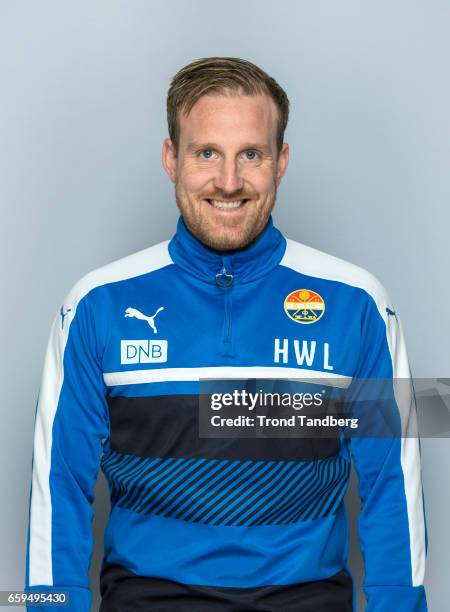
227,492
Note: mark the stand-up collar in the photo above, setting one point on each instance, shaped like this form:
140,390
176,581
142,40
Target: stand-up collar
245,264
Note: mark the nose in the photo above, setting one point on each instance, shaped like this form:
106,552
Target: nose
228,178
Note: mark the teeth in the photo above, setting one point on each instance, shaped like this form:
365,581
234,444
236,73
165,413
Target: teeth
220,204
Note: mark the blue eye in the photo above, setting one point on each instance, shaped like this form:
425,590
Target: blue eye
206,151
253,153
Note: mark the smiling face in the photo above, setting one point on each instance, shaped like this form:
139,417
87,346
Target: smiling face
227,170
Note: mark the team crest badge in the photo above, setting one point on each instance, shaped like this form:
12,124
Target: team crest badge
304,306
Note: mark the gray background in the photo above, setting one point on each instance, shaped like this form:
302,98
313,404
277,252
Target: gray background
82,119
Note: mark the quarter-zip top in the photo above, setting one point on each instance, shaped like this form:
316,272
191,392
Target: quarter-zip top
221,523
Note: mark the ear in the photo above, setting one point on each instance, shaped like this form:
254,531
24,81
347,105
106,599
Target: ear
169,159
282,162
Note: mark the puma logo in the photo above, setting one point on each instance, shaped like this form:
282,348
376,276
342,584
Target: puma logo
64,315
132,312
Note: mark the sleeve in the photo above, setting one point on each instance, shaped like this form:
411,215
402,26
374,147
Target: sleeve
391,526
71,426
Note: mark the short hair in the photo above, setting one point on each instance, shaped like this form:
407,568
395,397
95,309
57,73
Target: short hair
216,75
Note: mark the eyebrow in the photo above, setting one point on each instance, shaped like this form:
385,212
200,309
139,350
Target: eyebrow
196,146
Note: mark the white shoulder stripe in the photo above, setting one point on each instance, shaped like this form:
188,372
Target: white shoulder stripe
40,544
312,262
136,264
410,450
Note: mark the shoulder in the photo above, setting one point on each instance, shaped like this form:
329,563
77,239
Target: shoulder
141,262
313,262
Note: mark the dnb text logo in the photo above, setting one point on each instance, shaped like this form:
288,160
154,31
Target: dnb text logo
143,351
304,306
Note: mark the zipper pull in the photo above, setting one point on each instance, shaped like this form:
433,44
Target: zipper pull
224,278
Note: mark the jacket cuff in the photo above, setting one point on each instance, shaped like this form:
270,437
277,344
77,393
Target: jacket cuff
398,598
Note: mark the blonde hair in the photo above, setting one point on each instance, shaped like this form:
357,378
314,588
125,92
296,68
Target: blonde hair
215,75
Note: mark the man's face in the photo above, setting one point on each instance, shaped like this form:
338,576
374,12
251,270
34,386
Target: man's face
227,170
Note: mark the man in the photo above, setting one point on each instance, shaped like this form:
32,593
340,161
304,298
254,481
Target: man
221,523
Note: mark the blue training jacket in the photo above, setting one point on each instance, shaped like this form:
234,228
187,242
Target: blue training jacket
220,524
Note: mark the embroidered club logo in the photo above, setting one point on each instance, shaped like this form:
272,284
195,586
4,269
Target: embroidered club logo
304,306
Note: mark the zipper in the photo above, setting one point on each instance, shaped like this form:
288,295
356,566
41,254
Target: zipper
224,280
